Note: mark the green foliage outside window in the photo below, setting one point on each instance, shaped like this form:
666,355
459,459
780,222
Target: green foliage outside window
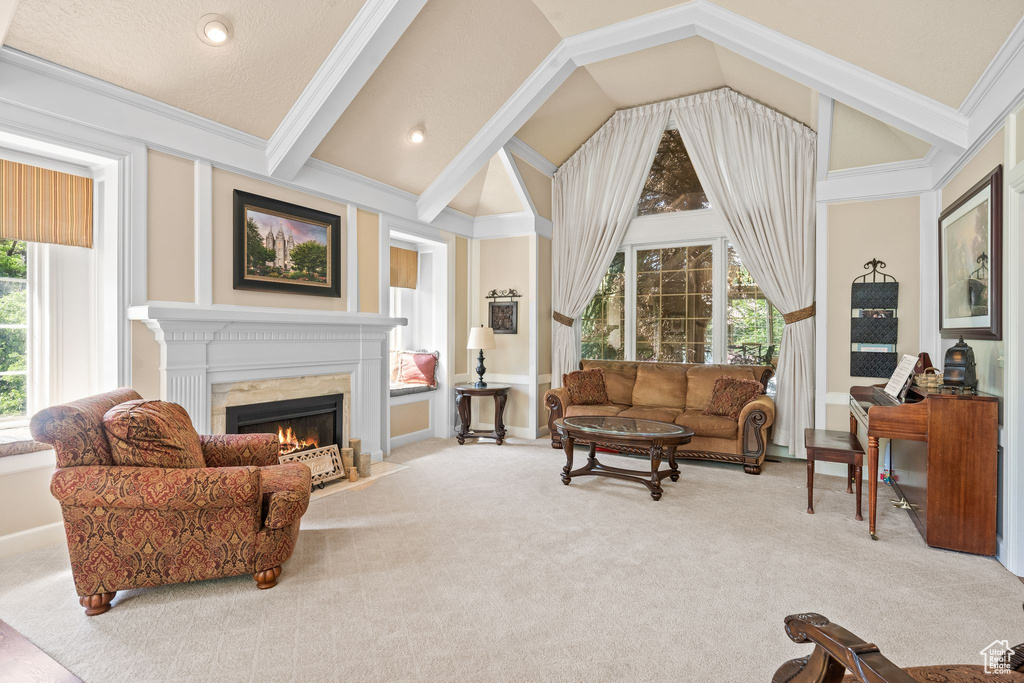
13,328
603,323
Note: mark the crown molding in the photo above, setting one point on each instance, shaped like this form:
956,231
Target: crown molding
510,225
1006,63
366,42
879,97
49,94
531,156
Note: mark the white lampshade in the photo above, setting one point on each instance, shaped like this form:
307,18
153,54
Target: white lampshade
481,338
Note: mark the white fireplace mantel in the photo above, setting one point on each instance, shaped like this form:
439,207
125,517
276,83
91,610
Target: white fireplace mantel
203,346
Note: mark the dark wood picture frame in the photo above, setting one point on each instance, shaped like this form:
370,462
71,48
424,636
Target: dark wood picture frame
994,331
331,223
503,324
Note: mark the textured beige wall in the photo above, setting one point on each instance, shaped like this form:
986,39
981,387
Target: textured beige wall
544,306
410,417
538,185
224,185
461,305
170,228
857,232
860,140
986,353
145,361
27,501
505,264
368,246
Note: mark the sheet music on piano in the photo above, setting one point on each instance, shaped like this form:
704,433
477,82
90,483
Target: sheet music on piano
898,384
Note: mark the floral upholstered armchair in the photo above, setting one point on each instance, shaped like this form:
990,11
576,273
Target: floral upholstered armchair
135,527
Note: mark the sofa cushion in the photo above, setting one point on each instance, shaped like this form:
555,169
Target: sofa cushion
730,395
700,382
152,434
593,411
619,378
708,425
660,384
659,413
586,387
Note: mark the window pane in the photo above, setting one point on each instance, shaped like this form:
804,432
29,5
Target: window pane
12,258
12,349
673,308
12,303
672,184
603,321
755,326
13,396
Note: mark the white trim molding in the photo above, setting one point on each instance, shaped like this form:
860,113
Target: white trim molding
366,42
531,156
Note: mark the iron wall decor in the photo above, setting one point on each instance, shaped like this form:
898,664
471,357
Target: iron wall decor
971,262
874,326
502,315
284,247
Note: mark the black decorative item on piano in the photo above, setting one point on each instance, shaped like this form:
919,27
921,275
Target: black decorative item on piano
873,324
960,372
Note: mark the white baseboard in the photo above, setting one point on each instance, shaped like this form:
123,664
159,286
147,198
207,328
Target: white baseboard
411,437
30,539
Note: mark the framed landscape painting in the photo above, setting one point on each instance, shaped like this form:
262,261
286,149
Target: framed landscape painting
284,247
971,262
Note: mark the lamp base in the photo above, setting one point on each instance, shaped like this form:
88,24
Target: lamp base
480,384
480,370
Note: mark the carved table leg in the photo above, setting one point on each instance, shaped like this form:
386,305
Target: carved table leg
857,474
267,578
655,466
672,464
464,405
567,444
872,484
810,484
95,604
499,412
592,455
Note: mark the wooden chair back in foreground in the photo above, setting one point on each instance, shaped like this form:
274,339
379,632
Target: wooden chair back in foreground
837,651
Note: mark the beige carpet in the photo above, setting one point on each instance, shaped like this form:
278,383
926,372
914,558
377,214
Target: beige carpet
476,563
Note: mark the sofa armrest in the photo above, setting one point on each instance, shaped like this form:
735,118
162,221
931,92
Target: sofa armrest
754,421
240,450
156,488
557,400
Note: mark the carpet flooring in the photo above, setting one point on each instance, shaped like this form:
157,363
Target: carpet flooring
477,564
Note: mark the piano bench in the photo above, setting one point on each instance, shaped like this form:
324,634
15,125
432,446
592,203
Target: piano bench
834,446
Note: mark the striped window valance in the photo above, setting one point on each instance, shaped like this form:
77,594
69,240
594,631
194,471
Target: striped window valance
39,205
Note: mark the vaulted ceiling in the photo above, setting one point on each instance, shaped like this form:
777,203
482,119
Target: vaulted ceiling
459,61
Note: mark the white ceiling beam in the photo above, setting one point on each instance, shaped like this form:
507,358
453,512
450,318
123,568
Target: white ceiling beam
894,104
512,169
7,8
364,45
531,156
825,108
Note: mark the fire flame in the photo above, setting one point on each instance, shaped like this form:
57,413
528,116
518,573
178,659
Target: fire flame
290,442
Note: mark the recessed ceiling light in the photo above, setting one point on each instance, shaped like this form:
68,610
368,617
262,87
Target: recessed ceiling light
416,135
214,30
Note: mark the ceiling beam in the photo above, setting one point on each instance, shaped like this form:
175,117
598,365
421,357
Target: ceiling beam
364,45
512,169
889,102
531,156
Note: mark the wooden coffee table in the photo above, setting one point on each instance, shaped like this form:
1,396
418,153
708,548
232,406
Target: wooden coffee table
658,439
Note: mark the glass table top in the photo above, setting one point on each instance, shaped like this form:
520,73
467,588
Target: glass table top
624,425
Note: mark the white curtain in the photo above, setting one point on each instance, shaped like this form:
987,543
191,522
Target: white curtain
594,198
757,168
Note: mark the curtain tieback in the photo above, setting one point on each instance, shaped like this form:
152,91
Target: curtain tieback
564,319
797,316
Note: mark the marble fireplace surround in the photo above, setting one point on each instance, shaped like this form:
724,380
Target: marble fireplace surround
208,355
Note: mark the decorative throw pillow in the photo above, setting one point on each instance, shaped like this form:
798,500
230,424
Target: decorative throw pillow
417,368
586,387
152,434
730,395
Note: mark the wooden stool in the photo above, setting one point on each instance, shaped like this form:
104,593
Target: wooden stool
833,446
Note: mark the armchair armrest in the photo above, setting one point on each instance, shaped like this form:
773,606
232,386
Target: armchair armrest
239,450
286,490
156,488
754,421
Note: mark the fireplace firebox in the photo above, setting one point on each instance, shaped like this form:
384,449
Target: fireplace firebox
301,424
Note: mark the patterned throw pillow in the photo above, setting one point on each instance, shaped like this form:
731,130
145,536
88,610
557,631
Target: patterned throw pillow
152,434
730,395
586,387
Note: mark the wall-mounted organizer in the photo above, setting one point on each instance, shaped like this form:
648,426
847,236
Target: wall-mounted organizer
874,326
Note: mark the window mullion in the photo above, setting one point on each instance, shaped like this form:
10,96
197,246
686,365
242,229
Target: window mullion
719,304
630,254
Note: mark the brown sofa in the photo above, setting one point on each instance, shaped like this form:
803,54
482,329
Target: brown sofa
679,393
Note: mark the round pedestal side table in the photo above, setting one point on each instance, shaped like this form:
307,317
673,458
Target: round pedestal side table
463,396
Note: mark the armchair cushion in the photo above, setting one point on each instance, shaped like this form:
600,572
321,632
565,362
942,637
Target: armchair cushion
156,488
730,395
286,490
152,434
238,450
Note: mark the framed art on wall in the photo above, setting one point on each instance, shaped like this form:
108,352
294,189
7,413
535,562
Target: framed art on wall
284,247
503,316
971,262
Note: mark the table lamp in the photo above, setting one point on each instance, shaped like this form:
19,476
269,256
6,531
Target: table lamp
481,338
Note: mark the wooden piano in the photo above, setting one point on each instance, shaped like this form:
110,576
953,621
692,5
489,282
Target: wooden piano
943,452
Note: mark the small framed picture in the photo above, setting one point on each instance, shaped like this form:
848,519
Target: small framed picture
971,262
503,317
284,247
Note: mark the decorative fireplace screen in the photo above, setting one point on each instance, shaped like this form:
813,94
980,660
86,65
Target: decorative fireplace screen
301,424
